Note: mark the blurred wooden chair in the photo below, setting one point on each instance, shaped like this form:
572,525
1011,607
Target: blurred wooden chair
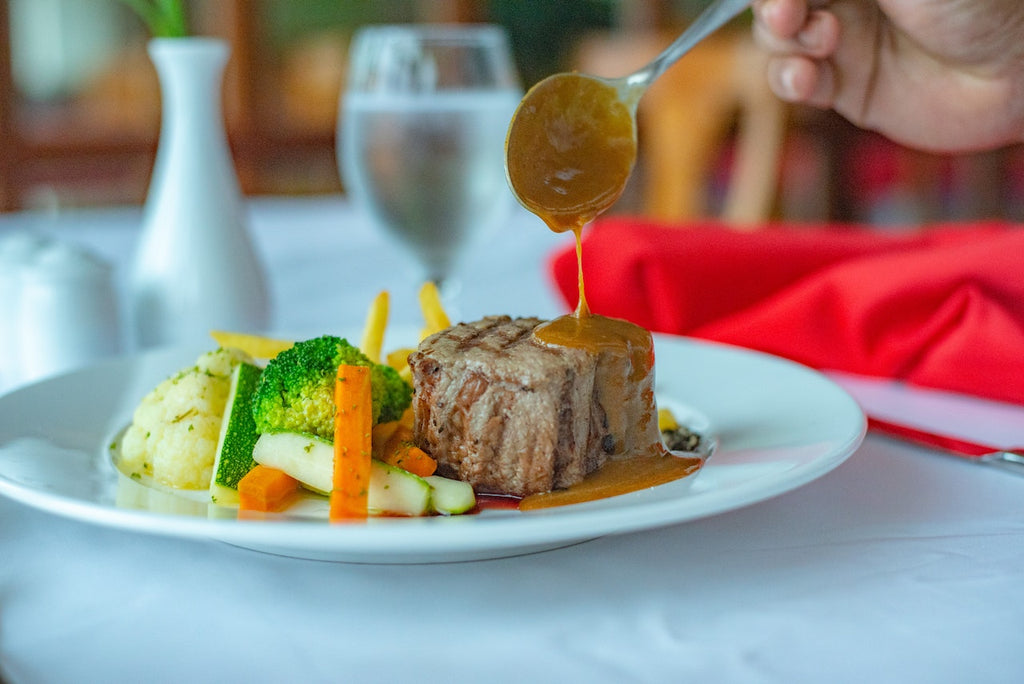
687,117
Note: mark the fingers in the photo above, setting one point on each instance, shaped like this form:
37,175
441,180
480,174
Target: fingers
799,79
801,41
817,34
780,18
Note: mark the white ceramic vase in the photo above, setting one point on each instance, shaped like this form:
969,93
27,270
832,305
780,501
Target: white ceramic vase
195,269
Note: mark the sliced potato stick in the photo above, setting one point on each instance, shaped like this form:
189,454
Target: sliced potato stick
433,312
376,324
257,346
399,358
666,420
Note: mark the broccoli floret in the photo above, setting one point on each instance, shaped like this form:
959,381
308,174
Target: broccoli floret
296,390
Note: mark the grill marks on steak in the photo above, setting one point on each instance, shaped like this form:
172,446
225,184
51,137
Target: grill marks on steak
507,414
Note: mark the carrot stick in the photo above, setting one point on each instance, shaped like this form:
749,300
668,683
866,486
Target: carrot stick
381,435
266,489
410,457
400,434
353,421
393,445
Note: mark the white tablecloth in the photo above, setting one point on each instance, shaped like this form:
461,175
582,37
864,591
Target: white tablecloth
902,565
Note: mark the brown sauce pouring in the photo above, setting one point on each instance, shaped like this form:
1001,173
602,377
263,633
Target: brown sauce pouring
570,149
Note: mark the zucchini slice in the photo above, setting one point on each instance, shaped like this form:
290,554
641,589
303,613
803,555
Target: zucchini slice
450,497
237,436
310,460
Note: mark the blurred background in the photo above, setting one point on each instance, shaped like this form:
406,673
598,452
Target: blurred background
80,111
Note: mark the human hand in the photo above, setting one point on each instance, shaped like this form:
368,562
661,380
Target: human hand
939,75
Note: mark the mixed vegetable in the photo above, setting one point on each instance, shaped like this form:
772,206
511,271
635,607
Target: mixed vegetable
318,415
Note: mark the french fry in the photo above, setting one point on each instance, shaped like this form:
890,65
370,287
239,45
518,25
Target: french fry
257,346
399,359
376,324
433,312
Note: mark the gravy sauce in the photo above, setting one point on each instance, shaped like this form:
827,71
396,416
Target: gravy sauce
570,150
619,476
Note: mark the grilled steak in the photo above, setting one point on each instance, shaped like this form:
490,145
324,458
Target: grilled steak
511,415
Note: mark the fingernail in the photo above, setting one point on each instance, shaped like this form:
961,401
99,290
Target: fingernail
787,81
808,37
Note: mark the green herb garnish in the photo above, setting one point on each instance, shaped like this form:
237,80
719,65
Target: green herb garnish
165,18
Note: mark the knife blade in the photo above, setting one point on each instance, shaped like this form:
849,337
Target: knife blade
1011,459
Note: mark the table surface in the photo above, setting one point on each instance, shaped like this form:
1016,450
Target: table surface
901,565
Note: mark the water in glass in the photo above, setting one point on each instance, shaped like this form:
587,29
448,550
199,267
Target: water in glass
421,135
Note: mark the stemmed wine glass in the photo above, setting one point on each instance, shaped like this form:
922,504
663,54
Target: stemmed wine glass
421,134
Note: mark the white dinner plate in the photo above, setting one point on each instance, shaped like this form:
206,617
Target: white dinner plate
778,426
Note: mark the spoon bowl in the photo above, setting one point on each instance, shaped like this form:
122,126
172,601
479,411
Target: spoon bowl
571,145
570,148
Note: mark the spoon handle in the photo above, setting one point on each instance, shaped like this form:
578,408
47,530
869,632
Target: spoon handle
718,13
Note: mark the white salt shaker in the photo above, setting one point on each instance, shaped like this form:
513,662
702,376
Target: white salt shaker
69,312
17,251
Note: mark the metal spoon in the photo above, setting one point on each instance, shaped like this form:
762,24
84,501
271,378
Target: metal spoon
571,145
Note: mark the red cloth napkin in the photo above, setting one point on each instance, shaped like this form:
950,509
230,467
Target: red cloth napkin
942,308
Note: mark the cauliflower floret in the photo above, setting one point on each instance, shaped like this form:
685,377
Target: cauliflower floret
174,431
